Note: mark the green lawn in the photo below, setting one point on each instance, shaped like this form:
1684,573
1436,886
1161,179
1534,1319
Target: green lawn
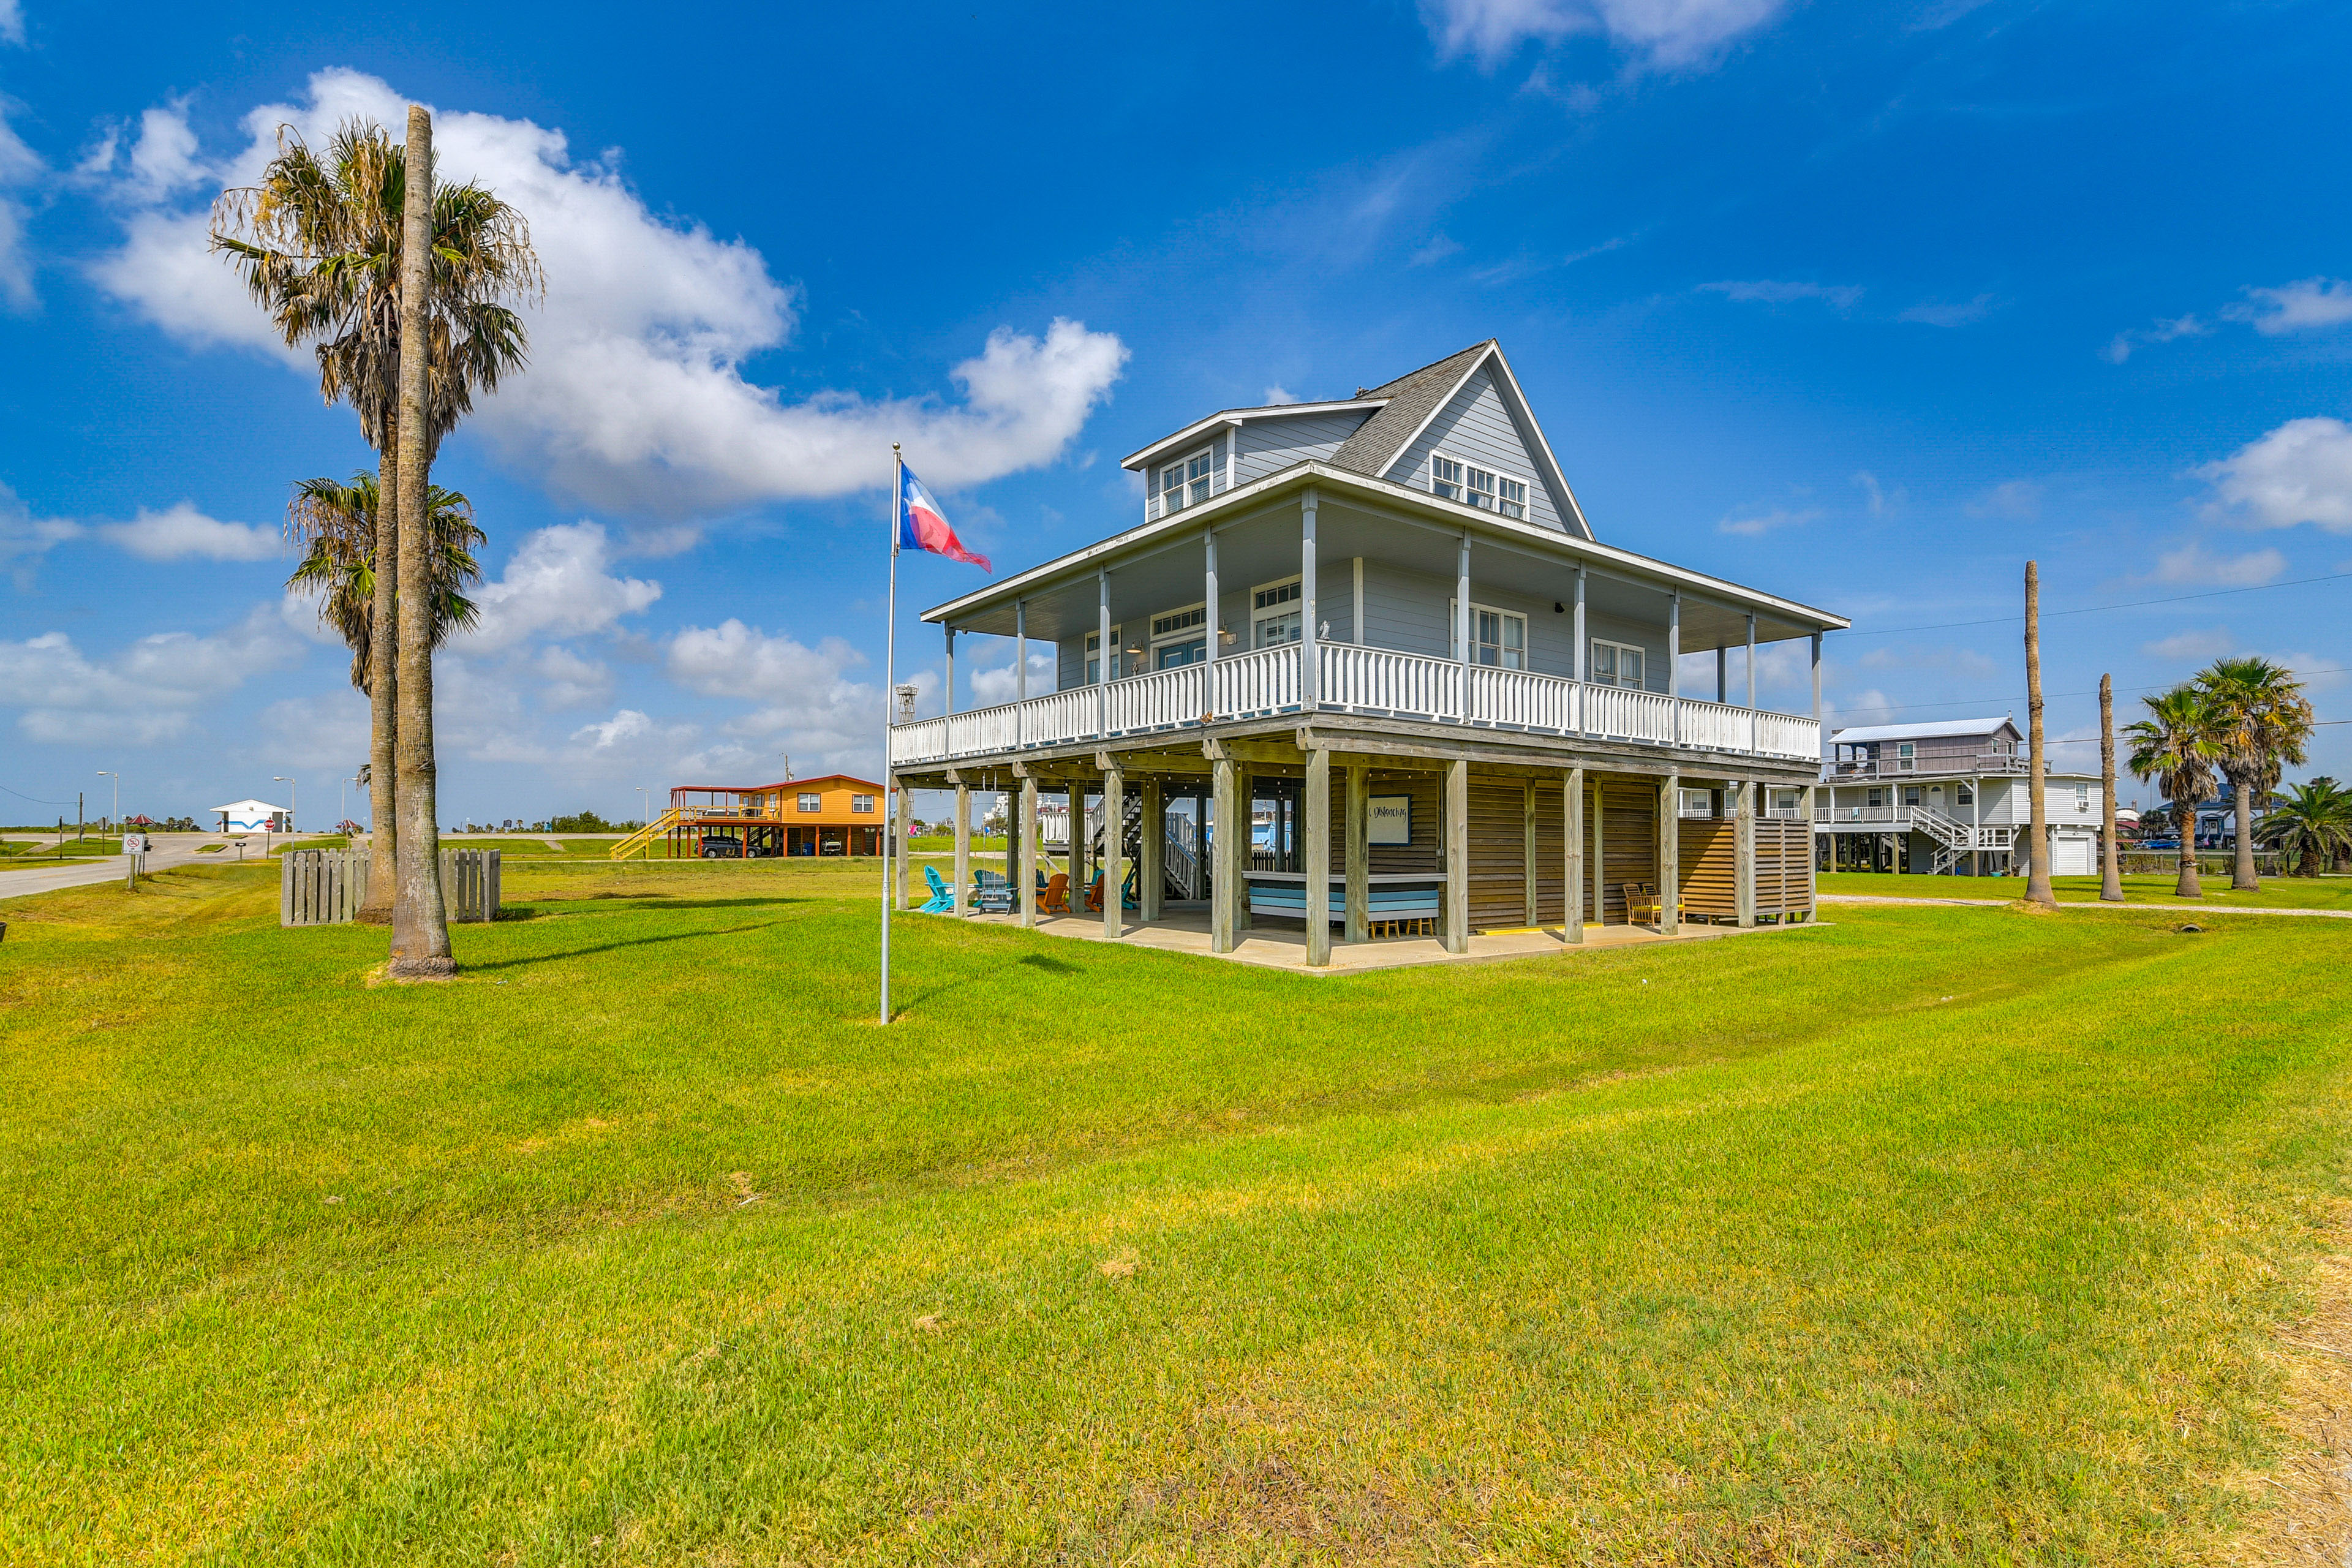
1927,1235
49,849
2277,892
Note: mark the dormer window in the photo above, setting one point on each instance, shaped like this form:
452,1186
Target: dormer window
1446,478
1451,478
1189,480
1481,489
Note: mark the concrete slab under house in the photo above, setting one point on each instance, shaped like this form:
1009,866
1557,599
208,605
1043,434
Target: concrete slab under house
1362,670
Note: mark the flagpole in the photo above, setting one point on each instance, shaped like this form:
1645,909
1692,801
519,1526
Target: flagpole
890,695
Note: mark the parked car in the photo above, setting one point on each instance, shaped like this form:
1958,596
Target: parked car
721,846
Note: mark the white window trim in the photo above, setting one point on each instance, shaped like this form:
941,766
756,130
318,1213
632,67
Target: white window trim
1181,466
1117,639
1622,647
1527,507
1453,631
1198,634
1298,605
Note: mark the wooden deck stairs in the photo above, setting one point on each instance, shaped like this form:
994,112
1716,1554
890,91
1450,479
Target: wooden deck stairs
643,840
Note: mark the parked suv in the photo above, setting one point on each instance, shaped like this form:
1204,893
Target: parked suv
721,846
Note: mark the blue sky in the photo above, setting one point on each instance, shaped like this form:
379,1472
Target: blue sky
1864,304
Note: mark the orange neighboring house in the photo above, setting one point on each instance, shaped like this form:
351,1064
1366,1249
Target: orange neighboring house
836,815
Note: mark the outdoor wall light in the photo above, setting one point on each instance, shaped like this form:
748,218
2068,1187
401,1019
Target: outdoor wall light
1225,638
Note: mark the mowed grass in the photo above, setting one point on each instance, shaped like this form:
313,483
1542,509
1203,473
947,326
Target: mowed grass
2277,892
1929,1235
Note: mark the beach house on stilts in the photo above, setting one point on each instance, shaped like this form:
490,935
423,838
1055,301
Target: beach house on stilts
1363,667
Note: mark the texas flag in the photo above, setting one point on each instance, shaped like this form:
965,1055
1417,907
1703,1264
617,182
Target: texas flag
923,526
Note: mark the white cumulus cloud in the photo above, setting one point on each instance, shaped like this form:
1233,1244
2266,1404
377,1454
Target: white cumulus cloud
181,531
556,584
18,169
636,399
2300,472
146,691
1666,32
12,22
807,704
2307,305
2194,564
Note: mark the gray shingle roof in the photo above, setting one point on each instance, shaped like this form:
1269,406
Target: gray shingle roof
1412,397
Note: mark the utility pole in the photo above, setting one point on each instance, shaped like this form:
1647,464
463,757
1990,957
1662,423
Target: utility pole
2111,882
2037,861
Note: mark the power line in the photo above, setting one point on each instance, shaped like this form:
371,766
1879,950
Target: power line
2094,609
37,800
2048,696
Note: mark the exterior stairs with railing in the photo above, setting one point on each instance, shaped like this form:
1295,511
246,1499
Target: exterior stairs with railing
643,840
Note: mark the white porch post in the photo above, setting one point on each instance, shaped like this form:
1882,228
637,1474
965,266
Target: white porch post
1751,683
1317,862
1114,858
1020,672
1108,655
1722,675
1310,633
1209,602
1578,666
962,898
1150,874
1675,660
1817,701
1462,625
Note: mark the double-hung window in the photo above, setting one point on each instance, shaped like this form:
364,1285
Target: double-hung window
1480,489
1963,795
1445,477
1511,498
861,803
1485,488
1094,655
1910,795
812,803
1906,757
2081,797
1274,613
1498,638
1616,663
1189,480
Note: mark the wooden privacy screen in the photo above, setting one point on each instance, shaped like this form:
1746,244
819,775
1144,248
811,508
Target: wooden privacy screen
1629,829
1784,866
1710,852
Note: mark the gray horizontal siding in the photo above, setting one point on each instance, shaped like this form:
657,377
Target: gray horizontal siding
1476,428
1407,611
1271,443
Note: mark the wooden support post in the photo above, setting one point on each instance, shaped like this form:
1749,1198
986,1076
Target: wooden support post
962,901
1812,881
1528,875
1226,828
1114,857
906,822
1246,790
1028,827
1670,856
1317,862
1571,896
1151,872
1600,858
1074,867
1457,855
1358,926
1743,862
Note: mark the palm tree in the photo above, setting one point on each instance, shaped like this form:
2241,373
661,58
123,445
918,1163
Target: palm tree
2263,721
318,242
2310,825
2174,747
336,524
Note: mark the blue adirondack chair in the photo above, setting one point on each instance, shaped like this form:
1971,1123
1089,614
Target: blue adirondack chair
942,898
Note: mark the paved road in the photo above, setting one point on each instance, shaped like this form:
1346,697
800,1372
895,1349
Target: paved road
2071,904
174,849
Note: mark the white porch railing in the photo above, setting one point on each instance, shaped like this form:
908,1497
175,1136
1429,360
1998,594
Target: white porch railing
1354,680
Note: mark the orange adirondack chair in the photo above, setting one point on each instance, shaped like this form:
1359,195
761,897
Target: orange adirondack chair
1056,899
1094,892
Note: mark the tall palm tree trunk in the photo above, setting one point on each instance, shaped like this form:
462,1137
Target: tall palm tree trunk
2243,875
383,691
2111,882
2037,849
420,926
2187,885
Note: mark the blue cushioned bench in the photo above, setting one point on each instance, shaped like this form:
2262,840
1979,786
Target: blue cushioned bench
1393,899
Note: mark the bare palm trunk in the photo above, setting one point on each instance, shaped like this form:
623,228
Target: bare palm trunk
2188,887
420,927
2037,849
2243,875
2111,882
383,684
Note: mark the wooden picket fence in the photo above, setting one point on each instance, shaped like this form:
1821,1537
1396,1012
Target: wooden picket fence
326,887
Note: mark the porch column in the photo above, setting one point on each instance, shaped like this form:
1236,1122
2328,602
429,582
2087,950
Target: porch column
1457,852
1114,853
1150,875
1462,621
1743,854
1077,858
1020,671
1316,861
1722,677
1599,855
1309,636
1817,699
1224,877
1209,598
1358,926
1751,662
1528,875
1675,658
1812,881
906,822
1028,825
1107,658
963,846
1577,666
1245,792
1670,856
1571,895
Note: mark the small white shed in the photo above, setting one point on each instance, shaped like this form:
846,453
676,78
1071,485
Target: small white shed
252,816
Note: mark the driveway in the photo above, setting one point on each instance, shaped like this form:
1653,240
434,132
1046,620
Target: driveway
172,850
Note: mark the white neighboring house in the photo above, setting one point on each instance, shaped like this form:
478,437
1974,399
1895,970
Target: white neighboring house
1948,797
254,816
